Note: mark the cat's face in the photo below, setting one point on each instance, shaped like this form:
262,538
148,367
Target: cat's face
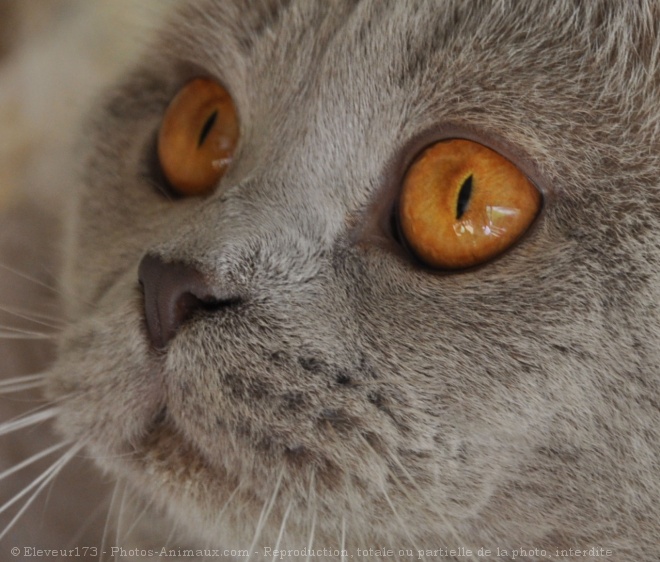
341,388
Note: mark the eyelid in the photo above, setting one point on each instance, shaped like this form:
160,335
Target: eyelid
396,168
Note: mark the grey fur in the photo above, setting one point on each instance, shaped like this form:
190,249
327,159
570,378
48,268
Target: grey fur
516,405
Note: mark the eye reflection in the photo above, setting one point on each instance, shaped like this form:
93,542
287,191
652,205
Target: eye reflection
464,227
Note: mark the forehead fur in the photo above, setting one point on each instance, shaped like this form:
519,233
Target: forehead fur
569,90
379,73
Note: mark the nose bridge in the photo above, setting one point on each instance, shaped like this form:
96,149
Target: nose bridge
221,254
255,221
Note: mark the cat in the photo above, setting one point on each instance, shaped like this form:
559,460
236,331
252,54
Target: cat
273,361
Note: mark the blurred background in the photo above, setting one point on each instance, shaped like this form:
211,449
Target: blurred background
55,58
55,55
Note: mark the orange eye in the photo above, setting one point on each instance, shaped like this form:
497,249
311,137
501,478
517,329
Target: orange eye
463,204
197,137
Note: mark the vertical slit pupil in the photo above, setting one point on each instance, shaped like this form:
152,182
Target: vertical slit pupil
464,197
206,129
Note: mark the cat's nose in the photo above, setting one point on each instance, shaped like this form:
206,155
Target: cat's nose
173,291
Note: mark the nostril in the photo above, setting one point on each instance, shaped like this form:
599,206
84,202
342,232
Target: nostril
173,292
212,304
186,304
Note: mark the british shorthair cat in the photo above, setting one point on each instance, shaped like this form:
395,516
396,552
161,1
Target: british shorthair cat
369,279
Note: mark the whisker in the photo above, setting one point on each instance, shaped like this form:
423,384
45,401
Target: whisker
30,486
343,539
403,524
36,281
282,526
218,517
17,384
111,507
40,483
310,543
28,277
17,330
98,457
22,379
265,512
21,387
120,515
90,521
18,335
27,421
33,314
18,314
383,491
404,490
169,539
32,459
411,479
312,507
137,520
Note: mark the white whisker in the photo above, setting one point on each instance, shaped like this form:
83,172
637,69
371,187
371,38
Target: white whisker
410,478
104,537
17,330
265,512
170,537
91,520
282,526
28,277
38,282
18,384
18,335
343,539
40,483
18,314
21,387
32,459
120,516
404,490
311,503
218,517
27,421
401,521
30,486
403,524
137,520
22,379
310,543
34,315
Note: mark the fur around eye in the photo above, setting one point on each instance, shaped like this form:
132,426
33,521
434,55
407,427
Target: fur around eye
197,137
463,204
